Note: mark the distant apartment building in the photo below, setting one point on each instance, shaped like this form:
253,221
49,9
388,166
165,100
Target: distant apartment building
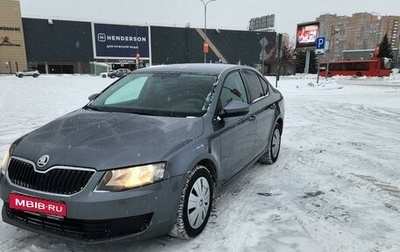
361,31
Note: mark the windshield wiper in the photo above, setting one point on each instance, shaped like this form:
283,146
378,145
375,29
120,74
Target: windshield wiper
88,107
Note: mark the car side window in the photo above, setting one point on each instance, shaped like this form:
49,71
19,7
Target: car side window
233,90
265,84
257,87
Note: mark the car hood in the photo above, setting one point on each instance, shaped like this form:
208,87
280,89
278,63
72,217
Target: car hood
105,140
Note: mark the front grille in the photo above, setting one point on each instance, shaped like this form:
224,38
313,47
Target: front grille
82,230
58,181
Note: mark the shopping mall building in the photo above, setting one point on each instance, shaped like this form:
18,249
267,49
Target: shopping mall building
64,46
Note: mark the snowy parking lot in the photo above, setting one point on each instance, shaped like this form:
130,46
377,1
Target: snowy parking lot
335,186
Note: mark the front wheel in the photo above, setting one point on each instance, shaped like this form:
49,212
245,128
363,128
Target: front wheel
274,146
195,205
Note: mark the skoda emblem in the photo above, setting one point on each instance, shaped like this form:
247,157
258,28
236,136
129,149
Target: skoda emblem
43,160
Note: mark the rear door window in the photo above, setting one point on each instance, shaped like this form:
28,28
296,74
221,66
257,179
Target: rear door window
257,87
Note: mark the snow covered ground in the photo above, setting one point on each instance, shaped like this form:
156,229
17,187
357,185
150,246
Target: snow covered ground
335,187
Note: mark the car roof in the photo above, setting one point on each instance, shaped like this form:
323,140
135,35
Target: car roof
200,68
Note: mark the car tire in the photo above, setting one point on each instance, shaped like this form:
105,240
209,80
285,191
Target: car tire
195,204
274,146
359,74
104,75
35,75
20,75
112,76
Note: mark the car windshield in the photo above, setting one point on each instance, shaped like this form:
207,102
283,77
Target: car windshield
162,94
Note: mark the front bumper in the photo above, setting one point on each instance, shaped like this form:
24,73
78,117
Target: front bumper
94,217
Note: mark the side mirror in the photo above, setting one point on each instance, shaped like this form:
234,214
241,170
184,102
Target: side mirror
93,96
235,108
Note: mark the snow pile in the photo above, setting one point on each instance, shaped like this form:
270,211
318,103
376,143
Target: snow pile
335,187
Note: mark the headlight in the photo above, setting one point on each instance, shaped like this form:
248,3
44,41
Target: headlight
4,163
128,178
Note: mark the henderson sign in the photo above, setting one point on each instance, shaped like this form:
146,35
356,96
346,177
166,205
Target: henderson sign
120,41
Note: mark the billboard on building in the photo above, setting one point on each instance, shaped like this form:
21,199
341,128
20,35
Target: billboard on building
306,34
120,41
262,23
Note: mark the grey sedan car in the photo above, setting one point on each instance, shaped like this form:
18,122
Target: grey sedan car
145,157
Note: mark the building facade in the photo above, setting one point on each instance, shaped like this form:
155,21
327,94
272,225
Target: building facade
12,44
57,46
361,31
63,46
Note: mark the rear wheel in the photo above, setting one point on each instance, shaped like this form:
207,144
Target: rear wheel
195,205
272,153
359,74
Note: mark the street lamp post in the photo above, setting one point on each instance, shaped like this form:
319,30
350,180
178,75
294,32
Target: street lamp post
205,24
330,49
379,27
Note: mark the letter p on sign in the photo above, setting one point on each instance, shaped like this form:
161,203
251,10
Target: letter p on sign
320,43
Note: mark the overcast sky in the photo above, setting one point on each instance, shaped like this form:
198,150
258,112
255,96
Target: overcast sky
221,14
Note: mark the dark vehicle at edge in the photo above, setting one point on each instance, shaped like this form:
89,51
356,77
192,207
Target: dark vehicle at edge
120,72
145,157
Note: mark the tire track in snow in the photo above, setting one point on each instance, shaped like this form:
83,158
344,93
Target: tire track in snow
328,149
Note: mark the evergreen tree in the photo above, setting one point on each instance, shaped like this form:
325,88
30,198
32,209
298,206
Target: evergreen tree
313,63
385,50
301,62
